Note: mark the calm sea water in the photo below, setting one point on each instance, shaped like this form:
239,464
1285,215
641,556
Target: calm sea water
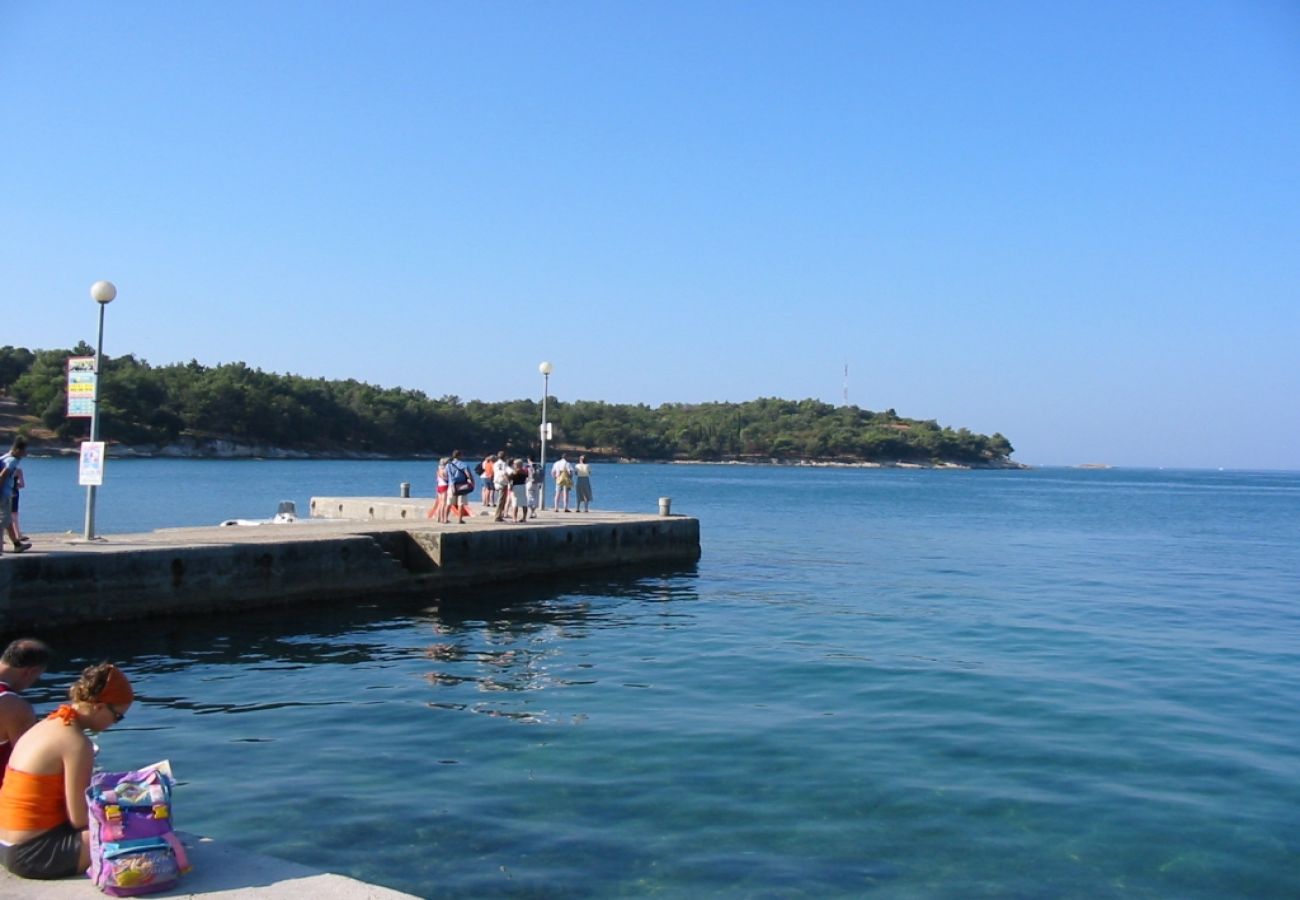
882,683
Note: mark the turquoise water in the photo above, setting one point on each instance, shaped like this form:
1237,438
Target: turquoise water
886,683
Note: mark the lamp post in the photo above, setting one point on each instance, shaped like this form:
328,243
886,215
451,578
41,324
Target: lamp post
102,292
546,369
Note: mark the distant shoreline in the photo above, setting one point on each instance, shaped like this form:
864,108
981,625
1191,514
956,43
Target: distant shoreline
884,434
232,450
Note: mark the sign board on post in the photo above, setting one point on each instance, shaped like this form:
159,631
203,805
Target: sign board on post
92,463
81,386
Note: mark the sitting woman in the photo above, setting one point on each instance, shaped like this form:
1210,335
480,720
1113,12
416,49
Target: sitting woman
43,817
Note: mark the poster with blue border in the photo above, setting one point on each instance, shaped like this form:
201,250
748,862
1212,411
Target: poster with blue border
82,385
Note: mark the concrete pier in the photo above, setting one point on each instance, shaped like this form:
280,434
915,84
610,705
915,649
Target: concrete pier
352,547
220,871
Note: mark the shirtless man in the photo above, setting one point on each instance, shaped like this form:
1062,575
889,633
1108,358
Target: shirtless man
22,663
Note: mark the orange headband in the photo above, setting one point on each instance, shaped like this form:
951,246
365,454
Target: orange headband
117,690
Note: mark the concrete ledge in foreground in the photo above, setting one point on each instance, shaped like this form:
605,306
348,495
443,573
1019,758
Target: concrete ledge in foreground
384,547
220,871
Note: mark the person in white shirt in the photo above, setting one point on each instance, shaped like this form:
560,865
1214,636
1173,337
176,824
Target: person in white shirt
501,473
562,477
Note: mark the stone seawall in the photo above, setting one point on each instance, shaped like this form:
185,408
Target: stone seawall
64,580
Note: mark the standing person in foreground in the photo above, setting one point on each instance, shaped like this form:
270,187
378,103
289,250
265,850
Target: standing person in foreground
9,474
562,475
44,821
583,486
23,662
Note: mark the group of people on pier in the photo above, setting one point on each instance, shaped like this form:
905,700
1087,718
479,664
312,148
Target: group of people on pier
45,766
512,490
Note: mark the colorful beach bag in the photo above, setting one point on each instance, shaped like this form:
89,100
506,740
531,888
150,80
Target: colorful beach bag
134,848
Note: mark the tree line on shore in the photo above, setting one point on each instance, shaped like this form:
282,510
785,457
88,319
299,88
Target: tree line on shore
141,404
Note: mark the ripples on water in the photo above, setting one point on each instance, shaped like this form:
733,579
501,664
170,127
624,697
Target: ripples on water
891,683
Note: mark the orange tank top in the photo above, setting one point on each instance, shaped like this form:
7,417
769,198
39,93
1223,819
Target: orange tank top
31,802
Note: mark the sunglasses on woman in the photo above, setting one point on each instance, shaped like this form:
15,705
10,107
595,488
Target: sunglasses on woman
117,715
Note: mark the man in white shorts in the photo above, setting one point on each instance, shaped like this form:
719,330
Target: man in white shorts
501,473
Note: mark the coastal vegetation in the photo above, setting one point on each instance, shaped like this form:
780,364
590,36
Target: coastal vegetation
190,404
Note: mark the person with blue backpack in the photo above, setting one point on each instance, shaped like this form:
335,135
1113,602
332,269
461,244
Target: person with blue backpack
460,484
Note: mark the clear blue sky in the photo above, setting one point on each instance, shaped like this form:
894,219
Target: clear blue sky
1077,224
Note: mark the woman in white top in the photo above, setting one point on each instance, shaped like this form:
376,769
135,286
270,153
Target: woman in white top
439,509
583,486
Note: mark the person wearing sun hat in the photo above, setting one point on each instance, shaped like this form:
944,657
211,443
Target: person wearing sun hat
43,816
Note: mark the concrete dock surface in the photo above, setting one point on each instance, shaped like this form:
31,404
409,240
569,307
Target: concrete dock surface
351,547
338,515
221,870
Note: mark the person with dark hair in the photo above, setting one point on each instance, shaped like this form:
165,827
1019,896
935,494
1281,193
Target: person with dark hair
460,486
22,663
10,473
15,526
44,821
519,490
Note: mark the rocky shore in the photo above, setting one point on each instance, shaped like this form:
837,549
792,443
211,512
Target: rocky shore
230,449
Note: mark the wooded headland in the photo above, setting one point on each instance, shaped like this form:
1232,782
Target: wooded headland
193,409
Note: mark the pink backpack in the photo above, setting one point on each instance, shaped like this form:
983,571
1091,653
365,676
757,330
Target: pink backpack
133,844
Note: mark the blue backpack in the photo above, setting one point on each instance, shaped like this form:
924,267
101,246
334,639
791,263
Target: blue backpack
461,481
